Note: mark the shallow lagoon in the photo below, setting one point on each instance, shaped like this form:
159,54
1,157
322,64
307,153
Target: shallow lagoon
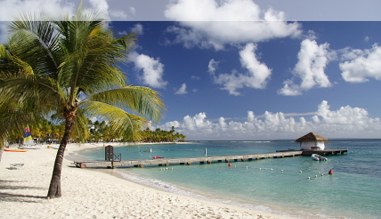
271,184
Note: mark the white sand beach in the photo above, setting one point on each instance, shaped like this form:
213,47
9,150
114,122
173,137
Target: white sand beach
87,193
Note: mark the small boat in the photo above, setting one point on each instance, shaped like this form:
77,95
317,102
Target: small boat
15,150
157,157
318,157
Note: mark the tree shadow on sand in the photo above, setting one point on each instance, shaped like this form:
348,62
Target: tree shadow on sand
14,196
10,197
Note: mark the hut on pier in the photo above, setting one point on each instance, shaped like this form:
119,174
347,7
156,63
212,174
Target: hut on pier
312,141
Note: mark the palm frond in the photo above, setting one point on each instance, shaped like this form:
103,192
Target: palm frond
12,66
32,93
142,100
80,129
120,120
89,57
37,43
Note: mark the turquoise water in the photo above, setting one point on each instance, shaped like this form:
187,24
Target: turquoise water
354,191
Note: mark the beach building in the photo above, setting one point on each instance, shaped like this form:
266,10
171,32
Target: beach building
312,141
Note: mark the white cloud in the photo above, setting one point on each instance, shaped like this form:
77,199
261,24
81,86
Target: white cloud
361,65
310,68
197,122
259,71
344,122
256,76
222,123
182,90
212,66
345,115
213,23
250,116
171,124
152,69
138,29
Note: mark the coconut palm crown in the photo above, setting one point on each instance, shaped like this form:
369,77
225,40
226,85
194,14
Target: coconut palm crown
69,69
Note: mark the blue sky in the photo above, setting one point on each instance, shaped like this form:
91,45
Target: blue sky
248,69
189,65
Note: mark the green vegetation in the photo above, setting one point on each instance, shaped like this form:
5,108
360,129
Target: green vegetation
48,132
162,136
69,70
100,131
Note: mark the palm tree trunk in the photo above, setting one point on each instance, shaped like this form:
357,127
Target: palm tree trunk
55,183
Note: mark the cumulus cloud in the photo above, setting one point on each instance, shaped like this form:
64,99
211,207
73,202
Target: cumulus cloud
310,68
152,69
213,23
256,75
197,122
346,121
361,65
182,90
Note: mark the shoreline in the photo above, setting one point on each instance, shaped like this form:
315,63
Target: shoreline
96,194
156,184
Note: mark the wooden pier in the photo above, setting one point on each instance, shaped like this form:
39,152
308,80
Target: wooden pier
325,152
184,161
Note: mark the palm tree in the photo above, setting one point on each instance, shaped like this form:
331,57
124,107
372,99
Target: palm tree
70,68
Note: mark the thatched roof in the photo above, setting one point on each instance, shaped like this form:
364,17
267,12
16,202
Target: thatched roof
311,137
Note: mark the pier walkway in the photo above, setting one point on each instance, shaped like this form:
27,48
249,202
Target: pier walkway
203,160
184,161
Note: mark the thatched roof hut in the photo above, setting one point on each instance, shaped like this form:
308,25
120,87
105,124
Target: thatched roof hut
311,137
312,141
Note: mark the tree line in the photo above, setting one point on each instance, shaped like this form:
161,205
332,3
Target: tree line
98,131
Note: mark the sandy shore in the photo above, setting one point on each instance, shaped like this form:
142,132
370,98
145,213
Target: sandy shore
25,177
